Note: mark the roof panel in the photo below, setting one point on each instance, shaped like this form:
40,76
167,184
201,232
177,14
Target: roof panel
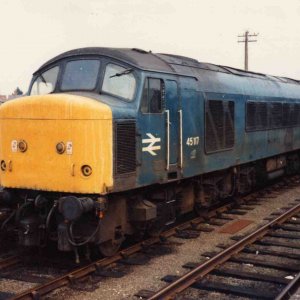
168,63
141,59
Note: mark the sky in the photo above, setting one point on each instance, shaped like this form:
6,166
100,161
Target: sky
33,31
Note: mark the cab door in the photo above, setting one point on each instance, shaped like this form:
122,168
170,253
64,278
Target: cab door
173,121
159,131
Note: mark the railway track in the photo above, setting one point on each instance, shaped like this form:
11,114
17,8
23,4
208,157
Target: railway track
190,229
9,262
206,277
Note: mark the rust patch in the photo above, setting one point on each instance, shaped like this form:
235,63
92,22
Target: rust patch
235,226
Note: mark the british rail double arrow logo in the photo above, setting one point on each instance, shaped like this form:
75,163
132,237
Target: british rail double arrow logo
151,141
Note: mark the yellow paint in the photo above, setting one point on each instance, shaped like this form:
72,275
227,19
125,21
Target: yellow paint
44,121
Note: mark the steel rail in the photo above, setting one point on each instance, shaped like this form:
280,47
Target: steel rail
289,289
188,279
36,292
8,262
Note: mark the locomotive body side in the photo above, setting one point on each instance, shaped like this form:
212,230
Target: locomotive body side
187,152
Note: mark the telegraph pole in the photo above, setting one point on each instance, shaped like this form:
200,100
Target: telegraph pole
247,39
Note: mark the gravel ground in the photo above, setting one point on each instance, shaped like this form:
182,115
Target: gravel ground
148,276
11,286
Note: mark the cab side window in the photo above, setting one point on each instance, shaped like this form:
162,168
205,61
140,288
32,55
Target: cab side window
45,82
153,95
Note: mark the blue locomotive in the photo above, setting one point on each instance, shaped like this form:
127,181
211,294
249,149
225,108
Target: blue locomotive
116,142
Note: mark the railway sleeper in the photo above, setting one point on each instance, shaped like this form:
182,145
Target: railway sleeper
256,259
110,273
226,288
187,234
294,221
291,267
222,216
288,228
283,235
236,212
227,272
160,248
135,260
267,251
286,244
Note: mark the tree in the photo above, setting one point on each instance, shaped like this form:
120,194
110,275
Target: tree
17,92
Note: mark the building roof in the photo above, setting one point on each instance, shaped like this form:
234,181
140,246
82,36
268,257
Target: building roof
3,98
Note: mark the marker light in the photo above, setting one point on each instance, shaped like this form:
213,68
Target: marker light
86,170
3,165
22,146
60,148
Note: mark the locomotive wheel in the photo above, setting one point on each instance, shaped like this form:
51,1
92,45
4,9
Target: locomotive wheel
110,248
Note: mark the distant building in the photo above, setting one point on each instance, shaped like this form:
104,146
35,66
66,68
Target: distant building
3,98
10,97
16,94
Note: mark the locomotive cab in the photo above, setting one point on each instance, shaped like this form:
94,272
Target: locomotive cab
57,147
59,138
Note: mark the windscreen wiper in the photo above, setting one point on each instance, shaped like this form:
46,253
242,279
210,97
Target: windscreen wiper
125,72
43,79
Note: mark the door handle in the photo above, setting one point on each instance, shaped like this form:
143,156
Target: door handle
168,138
180,138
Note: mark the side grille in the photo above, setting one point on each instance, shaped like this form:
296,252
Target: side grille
125,147
219,125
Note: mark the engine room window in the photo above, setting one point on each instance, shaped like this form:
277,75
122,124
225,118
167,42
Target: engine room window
153,94
296,115
271,115
287,114
45,82
119,82
80,75
219,125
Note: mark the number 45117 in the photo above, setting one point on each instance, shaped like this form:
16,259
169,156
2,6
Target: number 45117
193,141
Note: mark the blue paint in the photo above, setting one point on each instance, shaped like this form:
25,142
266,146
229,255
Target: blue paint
188,85
190,95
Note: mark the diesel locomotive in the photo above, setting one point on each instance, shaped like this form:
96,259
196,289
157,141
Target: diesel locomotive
110,143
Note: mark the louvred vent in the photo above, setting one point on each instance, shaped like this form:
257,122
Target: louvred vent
125,147
219,125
